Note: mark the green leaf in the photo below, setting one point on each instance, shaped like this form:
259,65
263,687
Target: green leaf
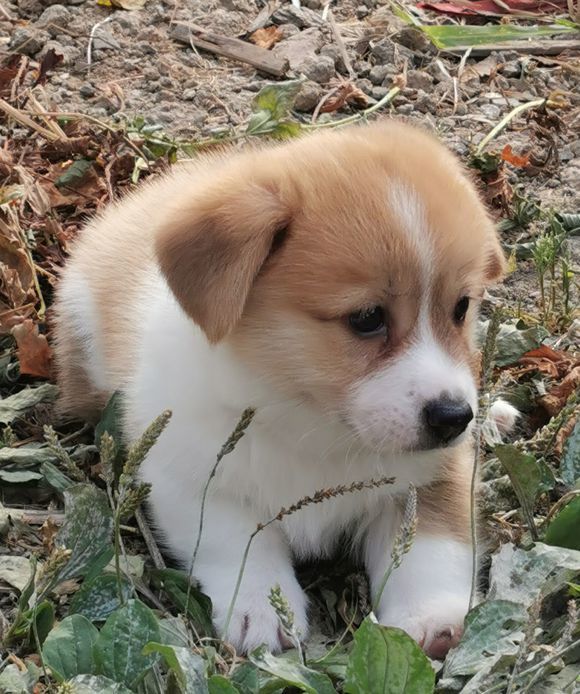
74,174
15,571
513,340
277,99
570,464
521,575
87,528
292,673
27,456
188,667
220,685
246,678
68,649
95,684
14,681
528,477
97,599
43,615
19,476
18,404
564,528
175,584
464,35
57,480
111,420
119,648
387,661
491,629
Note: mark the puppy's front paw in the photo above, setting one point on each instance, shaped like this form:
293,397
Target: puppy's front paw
435,626
254,621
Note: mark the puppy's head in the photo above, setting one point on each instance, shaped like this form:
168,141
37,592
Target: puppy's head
347,269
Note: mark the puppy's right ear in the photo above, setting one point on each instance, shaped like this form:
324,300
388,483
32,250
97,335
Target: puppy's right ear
212,249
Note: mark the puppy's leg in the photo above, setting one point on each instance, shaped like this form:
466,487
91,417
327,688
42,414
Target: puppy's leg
428,594
227,528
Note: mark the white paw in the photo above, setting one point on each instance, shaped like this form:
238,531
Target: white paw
503,415
436,626
254,621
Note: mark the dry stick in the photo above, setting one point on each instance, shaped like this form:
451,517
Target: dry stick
149,538
487,366
340,43
317,498
98,25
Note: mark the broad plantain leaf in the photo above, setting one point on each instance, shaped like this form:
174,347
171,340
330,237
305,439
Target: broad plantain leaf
492,629
95,684
520,575
119,648
57,479
387,661
246,678
198,607
68,649
98,598
564,528
74,174
570,465
87,528
187,667
221,685
292,673
18,404
528,477
513,341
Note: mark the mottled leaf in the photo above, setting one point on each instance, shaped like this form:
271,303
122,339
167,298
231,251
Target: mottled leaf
119,648
387,661
187,666
75,174
570,464
246,678
292,673
68,649
491,629
18,404
220,685
97,599
86,530
198,608
95,684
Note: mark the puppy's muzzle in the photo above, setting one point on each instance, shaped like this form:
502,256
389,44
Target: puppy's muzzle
446,418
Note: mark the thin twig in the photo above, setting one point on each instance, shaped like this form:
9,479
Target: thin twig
505,120
149,538
98,25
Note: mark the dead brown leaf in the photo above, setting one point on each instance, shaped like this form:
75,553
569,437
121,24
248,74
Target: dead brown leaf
34,353
520,161
346,93
557,397
266,37
48,532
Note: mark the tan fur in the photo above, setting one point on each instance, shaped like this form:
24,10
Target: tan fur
213,227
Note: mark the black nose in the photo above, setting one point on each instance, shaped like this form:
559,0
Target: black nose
447,418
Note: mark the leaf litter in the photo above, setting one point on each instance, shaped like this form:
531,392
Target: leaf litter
70,593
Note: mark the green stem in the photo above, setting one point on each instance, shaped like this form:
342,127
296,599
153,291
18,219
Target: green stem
505,120
357,116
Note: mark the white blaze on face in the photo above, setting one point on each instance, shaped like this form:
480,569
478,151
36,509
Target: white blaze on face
386,409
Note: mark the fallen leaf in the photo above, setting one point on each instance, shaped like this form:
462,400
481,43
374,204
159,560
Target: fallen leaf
34,354
122,4
50,61
267,37
557,397
48,532
518,160
548,361
489,7
347,93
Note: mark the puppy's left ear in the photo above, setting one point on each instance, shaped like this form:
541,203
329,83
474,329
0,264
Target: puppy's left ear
495,262
212,248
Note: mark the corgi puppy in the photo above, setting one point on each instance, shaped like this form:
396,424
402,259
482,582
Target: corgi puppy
332,283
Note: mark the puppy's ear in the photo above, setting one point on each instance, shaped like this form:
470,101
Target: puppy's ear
495,262
211,251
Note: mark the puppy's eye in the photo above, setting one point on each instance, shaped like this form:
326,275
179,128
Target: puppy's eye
368,322
460,310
